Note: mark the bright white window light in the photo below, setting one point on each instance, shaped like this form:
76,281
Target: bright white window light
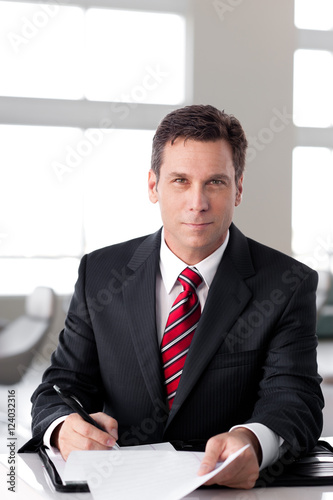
313,84
116,204
314,14
77,191
41,218
63,52
41,50
21,276
135,56
41,215
312,203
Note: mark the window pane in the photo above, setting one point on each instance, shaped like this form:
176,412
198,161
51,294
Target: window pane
313,83
132,56
314,14
116,206
41,50
39,214
57,51
67,192
312,205
21,276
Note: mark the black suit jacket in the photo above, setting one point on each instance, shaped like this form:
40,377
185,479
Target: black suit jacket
252,358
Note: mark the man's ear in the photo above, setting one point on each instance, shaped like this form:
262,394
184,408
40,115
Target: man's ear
239,191
152,186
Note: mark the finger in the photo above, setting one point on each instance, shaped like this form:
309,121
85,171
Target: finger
227,475
243,479
241,473
108,423
93,434
213,453
77,434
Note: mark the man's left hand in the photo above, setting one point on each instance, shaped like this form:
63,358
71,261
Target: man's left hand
244,470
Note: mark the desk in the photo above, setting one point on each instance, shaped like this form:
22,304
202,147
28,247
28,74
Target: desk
32,484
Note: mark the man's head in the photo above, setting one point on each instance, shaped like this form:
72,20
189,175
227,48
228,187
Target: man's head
204,124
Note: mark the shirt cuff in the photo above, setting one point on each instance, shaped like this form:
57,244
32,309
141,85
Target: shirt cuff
269,441
50,429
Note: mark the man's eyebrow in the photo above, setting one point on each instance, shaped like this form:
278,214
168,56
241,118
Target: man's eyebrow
217,176
177,174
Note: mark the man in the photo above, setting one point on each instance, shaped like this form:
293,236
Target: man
248,373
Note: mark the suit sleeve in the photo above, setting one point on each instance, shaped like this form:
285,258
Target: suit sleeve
290,399
74,366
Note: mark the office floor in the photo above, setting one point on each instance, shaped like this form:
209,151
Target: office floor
25,388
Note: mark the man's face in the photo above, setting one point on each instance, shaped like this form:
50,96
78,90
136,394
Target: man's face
197,194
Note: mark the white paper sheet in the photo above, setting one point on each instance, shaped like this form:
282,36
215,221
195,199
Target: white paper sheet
60,463
124,475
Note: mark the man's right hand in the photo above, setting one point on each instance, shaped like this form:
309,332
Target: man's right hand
77,434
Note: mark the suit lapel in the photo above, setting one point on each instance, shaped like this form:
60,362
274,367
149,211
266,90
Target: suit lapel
227,297
139,299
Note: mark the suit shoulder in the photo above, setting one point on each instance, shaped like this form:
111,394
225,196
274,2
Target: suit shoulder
117,248
122,253
248,256
264,255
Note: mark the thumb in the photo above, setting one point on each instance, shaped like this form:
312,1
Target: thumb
211,457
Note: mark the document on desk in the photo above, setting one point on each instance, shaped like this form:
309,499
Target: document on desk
149,474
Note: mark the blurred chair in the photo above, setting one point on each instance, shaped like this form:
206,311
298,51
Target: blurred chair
20,338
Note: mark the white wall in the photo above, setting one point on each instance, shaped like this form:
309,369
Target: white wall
243,59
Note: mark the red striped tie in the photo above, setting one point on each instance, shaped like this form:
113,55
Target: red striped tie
179,330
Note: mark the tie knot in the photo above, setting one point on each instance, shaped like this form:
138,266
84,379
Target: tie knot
190,278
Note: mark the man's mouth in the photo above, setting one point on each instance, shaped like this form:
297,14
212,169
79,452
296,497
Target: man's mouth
197,225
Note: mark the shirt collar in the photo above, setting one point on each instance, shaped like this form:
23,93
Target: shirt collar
171,266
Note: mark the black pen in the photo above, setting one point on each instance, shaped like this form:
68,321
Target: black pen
75,404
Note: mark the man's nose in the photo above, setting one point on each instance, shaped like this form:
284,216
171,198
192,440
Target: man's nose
198,200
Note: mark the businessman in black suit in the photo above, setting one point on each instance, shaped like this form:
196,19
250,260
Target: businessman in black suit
250,371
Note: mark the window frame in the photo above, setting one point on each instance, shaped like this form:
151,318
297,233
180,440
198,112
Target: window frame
88,114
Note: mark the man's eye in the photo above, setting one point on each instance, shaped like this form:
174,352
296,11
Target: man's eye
180,181
217,181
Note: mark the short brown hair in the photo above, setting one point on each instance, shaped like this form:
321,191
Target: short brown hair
200,123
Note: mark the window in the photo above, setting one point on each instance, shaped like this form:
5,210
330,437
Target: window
313,84
312,206
312,181
314,14
42,50
83,88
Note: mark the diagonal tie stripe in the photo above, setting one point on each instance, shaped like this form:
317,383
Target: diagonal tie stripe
182,322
